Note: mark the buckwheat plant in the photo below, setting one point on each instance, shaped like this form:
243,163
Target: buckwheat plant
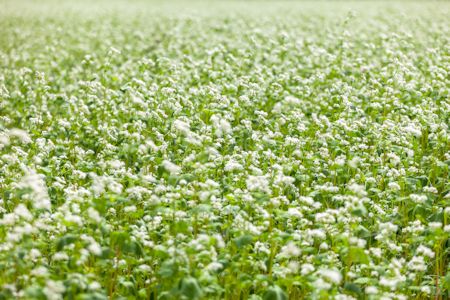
224,150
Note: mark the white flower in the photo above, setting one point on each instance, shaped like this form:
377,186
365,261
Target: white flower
95,248
22,211
258,183
358,189
145,268
214,266
94,215
425,251
130,208
417,263
54,290
233,165
323,246
116,164
290,250
389,282
115,187
221,126
294,212
353,163
60,256
94,286
430,189
435,225
414,130
34,254
182,127
4,140
282,179
40,271
331,275
371,290
418,198
293,267
394,186
39,195
171,167
21,135
320,284
306,269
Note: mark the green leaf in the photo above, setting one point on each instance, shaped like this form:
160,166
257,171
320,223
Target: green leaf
357,255
275,293
243,240
363,232
447,281
142,293
128,286
66,240
92,296
360,211
35,292
119,239
352,288
134,247
362,280
167,269
423,179
190,288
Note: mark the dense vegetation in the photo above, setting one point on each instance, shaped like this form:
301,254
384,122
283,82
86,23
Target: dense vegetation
224,150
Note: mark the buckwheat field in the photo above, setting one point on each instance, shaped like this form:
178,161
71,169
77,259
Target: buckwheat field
224,150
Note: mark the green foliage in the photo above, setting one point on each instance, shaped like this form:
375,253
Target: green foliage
275,293
224,150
